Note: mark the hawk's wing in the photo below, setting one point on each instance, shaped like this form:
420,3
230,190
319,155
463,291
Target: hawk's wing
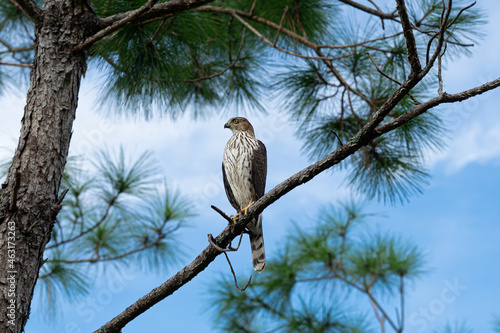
229,192
259,170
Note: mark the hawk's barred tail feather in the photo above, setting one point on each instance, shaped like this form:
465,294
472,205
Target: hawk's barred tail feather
257,244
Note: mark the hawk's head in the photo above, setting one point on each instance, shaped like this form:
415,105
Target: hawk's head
239,124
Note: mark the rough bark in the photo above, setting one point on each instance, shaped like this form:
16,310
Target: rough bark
28,201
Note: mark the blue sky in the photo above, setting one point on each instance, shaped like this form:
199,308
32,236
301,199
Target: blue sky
456,220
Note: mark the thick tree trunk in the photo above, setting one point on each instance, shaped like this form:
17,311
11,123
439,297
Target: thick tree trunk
28,200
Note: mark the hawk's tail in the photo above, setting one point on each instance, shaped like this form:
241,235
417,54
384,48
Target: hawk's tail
257,244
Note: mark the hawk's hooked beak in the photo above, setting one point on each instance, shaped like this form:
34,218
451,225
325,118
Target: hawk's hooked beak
227,125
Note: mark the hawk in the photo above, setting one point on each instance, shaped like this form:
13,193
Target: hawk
244,170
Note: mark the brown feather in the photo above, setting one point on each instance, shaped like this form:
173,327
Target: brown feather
244,171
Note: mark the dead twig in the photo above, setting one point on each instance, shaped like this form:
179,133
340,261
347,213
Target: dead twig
389,77
268,42
234,275
16,64
338,137
211,240
232,64
230,220
281,26
61,197
253,7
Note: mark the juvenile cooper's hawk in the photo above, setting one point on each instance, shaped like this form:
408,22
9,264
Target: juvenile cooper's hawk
244,169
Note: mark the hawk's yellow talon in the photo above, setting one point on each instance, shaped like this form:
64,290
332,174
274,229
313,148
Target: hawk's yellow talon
245,210
234,217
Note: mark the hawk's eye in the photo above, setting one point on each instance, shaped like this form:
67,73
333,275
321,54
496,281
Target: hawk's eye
235,121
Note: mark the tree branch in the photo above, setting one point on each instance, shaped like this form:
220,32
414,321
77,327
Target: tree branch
29,9
377,12
410,38
301,39
233,230
115,26
16,64
441,99
157,11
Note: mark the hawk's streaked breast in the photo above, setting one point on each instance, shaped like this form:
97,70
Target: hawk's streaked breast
238,163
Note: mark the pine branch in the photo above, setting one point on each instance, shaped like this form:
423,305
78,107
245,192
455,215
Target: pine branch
377,12
158,11
431,103
86,231
29,9
16,64
368,133
273,45
301,39
410,38
115,257
133,15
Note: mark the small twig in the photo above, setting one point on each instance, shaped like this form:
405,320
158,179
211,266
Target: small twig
359,43
299,22
380,318
389,77
211,240
253,7
378,12
268,42
232,64
157,31
230,220
16,64
338,137
61,197
234,275
381,71
281,26
17,183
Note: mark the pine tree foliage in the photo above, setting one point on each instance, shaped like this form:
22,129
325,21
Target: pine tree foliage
327,65
122,213
316,282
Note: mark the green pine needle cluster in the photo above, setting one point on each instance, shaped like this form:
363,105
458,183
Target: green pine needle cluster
315,282
121,213
391,168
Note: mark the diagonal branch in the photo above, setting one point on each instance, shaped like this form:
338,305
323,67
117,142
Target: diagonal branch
389,77
158,11
115,26
410,38
444,26
441,99
268,42
29,9
376,12
369,132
